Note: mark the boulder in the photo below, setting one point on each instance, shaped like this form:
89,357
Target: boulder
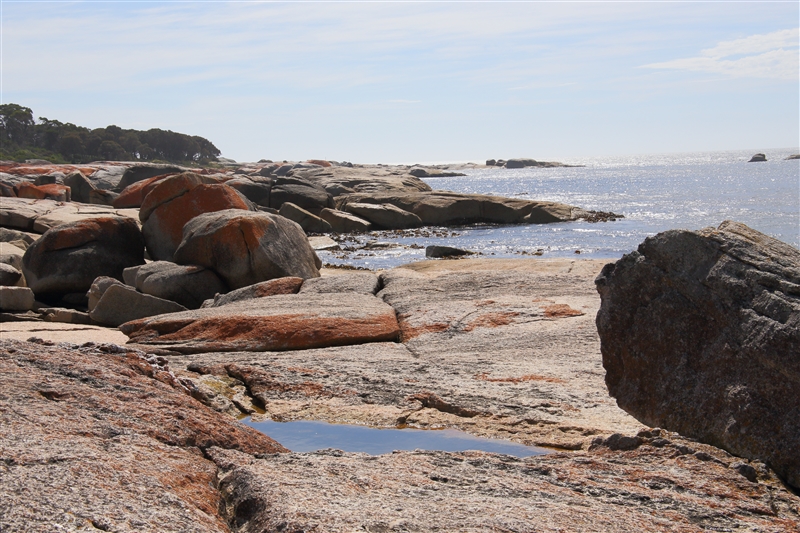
344,222
384,215
16,299
309,222
700,334
120,304
255,190
59,193
445,251
188,285
322,242
102,197
9,276
174,202
346,179
355,282
793,156
300,192
11,255
282,170
133,195
757,158
98,288
443,208
11,235
246,247
491,162
272,323
68,258
79,186
288,285
142,172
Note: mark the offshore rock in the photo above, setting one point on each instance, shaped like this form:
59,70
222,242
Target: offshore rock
99,438
175,201
442,208
445,251
284,322
246,247
757,158
69,257
700,334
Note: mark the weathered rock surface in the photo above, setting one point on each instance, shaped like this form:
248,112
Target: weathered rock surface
300,192
133,195
356,282
120,304
98,288
284,322
344,222
11,254
188,285
660,486
273,287
246,247
441,208
175,201
308,221
80,187
255,190
16,298
338,180
383,215
700,334
58,193
9,276
95,440
11,235
141,172
69,257
40,215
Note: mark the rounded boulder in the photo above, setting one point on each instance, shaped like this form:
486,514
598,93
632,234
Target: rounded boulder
68,258
246,247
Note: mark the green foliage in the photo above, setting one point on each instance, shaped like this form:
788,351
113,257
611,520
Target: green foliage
21,137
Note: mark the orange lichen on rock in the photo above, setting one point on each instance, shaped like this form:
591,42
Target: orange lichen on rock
561,311
320,162
134,194
51,191
528,377
492,320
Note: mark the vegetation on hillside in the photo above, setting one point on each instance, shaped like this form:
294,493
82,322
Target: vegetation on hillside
22,137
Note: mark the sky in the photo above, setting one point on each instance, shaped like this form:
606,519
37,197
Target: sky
415,82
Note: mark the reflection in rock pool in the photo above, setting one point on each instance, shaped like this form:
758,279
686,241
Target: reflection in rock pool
308,436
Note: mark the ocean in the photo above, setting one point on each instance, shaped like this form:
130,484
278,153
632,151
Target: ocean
654,193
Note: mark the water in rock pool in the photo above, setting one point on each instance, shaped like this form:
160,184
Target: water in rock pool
309,436
654,193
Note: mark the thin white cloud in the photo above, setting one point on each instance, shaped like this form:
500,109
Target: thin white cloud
773,55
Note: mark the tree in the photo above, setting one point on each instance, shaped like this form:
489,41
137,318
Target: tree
16,123
71,146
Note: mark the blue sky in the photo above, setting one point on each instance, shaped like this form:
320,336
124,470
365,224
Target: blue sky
416,82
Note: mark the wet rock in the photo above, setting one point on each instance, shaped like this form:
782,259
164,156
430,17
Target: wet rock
246,247
141,172
188,285
355,282
309,222
273,287
758,158
344,222
443,208
301,192
69,257
175,201
283,322
646,489
9,276
120,304
58,193
445,251
700,334
384,215
99,438
16,299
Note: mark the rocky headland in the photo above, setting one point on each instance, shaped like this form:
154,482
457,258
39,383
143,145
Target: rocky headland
228,312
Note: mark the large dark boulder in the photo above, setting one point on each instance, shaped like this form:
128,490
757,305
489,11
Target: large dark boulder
144,171
188,285
700,334
67,258
300,192
246,247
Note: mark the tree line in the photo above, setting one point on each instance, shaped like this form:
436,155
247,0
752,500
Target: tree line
22,137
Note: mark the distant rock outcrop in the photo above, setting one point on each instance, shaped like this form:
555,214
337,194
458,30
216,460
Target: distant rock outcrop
757,158
700,334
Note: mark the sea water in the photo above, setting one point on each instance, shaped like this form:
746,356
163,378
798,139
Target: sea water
654,193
